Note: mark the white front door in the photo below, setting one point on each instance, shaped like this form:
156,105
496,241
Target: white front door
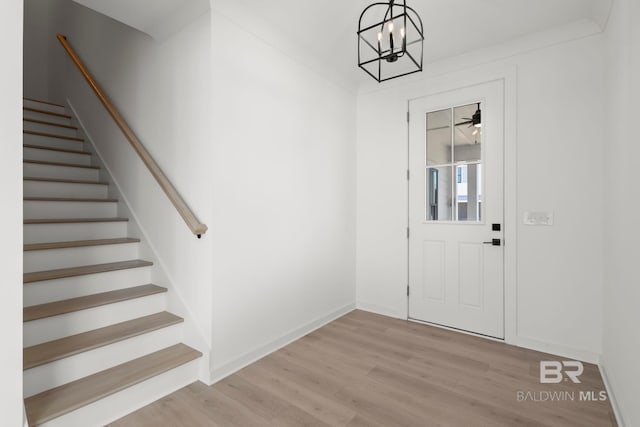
456,199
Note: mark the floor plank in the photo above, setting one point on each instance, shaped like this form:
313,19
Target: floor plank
369,370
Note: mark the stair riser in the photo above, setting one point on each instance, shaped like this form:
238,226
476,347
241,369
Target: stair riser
47,117
60,172
118,405
45,377
64,189
56,156
73,287
52,328
46,233
34,210
77,257
48,141
42,106
57,130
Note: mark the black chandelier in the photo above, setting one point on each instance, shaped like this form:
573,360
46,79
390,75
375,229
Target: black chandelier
390,40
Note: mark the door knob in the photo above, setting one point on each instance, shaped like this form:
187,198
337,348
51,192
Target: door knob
494,242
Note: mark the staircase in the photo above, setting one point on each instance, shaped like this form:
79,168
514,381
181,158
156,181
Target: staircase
98,341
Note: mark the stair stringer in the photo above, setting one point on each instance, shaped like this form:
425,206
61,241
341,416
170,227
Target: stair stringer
193,334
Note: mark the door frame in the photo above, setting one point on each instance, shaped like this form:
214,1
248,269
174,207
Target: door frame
460,80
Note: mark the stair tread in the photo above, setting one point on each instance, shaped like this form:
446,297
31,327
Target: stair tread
64,180
66,165
51,113
63,150
44,122
38,276
72,220
58,401
56,308
52,135
78,244
68,199
69,346
43,102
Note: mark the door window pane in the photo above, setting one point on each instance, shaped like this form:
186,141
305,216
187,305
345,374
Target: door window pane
439,137
439,190
467,137
468,192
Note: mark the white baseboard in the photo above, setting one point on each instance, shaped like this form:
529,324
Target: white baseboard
555,349
612,399
262,351
379,309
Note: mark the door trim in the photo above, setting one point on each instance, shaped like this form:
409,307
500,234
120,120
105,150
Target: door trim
460,80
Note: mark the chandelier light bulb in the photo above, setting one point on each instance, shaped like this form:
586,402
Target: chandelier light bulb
402,32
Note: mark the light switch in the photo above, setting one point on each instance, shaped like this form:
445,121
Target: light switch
538,218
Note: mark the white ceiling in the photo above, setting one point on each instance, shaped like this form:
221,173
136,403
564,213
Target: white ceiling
324,31
327,28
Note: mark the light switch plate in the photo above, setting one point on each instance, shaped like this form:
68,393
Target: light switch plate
538,218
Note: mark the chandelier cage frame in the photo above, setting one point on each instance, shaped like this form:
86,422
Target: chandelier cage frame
390,54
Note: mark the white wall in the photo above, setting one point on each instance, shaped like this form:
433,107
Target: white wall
163,91
159,19
37,40
11,212
284,197
622,293
556,281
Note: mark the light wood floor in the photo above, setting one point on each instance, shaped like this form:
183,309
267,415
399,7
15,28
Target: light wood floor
368,370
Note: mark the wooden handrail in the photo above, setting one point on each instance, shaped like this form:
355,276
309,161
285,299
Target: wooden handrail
185,212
